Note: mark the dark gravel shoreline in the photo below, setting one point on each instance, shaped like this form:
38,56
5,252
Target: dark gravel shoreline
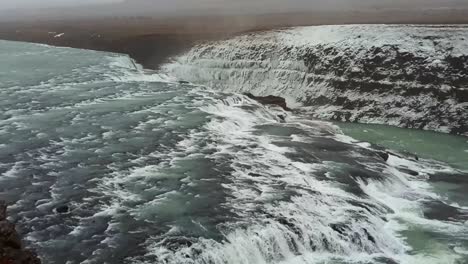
11,248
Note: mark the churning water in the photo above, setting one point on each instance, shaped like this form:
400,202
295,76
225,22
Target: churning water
103,162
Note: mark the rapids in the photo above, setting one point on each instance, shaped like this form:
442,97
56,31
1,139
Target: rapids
104,162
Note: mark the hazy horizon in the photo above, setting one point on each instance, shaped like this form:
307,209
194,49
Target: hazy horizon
34,4
32,9
266,4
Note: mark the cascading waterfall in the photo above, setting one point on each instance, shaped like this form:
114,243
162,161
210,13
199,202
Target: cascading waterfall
301,209
408,76
145,169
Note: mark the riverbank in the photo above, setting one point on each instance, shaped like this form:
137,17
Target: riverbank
11,248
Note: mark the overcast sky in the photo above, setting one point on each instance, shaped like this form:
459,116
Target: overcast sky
164,6
13,4
9,4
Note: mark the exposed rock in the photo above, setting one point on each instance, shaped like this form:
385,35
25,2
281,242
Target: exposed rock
386,260
270,100
282,118
3,208
444,212
9,236
63,209
410,172
11,250
178,242
461,178
404,155
384,155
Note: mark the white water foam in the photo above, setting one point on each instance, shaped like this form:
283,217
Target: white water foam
299,230
285,214
125,69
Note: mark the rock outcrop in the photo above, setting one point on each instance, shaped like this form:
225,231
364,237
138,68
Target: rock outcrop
11,249
270,100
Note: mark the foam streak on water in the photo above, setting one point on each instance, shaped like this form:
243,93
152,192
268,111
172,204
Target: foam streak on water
154,171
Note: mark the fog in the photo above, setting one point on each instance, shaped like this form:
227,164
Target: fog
37,4
68,8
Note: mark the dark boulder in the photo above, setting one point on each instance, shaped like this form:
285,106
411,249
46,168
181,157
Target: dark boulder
11,250
3,211
178,242
404,155
458,178
383,154
385,260
63,209
9,236
269,100
439,210
410,172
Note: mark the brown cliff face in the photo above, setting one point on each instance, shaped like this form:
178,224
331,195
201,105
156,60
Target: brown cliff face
11,249
270,100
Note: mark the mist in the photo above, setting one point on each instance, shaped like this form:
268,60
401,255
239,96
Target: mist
36,4
34,9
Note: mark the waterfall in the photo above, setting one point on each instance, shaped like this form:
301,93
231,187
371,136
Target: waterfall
403,75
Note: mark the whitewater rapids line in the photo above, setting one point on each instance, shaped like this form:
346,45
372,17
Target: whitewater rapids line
403,75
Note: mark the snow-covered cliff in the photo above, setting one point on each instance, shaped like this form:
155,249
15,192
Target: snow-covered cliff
402,75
